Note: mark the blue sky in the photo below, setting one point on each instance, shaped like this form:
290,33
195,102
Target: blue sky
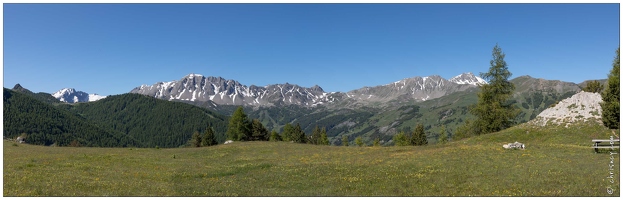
112,48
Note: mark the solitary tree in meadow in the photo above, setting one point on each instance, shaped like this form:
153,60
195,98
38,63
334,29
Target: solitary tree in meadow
418,137
494,112
443,135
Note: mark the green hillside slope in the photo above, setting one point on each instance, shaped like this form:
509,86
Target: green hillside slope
152,121
45,124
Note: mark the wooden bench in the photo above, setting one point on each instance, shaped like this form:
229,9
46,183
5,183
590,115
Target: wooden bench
605,144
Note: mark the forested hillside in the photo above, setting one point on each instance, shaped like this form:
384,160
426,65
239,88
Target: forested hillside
152,121
45,124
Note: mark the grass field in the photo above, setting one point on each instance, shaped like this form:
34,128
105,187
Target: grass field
557,162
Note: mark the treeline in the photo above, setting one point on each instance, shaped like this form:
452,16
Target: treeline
241,128
274,117
44,124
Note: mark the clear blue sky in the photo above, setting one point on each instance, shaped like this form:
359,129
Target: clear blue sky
112,48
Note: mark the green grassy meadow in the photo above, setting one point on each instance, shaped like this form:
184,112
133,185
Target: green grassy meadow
558,161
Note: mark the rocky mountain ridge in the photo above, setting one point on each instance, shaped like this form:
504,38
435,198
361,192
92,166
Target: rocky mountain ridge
219,91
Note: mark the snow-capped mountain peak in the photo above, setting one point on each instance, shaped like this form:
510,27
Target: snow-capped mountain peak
468,78
70,95
63,91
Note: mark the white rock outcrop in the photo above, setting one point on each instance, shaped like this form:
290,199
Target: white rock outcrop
580,107
515,145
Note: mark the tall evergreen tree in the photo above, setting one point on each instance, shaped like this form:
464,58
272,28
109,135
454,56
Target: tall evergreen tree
418,137
209,138
196,139
259,132
494,111
324,140
239,128
443,135
314,138
298,134
610,114
288,132
344,140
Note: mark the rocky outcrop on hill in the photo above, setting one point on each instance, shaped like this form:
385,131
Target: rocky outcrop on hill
581,107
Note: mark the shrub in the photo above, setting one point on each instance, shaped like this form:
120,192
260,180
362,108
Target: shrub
401,139
359,141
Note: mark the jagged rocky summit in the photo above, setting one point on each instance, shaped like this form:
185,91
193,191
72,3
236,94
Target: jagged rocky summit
196,87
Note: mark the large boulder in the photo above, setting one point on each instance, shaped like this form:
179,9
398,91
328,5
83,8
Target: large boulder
515,145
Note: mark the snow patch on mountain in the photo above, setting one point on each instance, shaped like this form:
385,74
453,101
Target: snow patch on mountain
95,97
70,95
468,78
62,92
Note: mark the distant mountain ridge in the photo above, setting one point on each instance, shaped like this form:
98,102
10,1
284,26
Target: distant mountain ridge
70,95
41,96
196,87
219,91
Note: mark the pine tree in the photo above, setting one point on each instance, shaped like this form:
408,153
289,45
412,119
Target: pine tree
610,114
443,135
344,140
299,134
315,136
494,112
258,132
208,138
288,132
239,128
418,137
196,140
274,136
324,140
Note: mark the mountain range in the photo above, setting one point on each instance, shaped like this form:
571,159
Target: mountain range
369,112
219,91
